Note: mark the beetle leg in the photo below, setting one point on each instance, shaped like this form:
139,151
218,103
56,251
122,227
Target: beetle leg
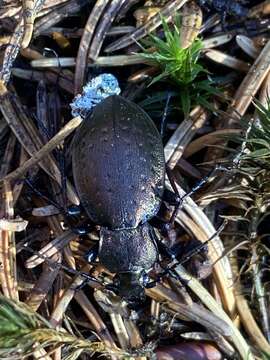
30,184
188,256
164,116
87,278
70,215
206,179
92,254
81,286
94,282
151,284
74,210
177,197
171,179
179,200
82,229
223,16
170,197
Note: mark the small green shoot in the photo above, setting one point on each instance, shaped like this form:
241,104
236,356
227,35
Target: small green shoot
180,65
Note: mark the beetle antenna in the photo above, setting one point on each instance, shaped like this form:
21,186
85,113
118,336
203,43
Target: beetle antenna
57,265
29,183
193,252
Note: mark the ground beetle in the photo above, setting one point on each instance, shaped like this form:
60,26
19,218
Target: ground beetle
118,169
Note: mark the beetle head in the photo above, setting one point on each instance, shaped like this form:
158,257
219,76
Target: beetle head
130,287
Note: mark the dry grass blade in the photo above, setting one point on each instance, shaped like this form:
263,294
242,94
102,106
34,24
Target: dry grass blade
205,228
191,23
167,12
48,76
17,188
21,34
135,339
215,41
252,82
45,150
30,10
64,301
236,337
26,132
11,52
52,3
50,249
9,152
221,269
143,74
71,33
8,273
14,225
126,330
4,40
64,78
247,45
227,60
260,10
117,321
176,145
117,60
44,284
245,313
103,28
124,9
95,320
264,93
250,324
49,273
57,14
208,140
9,11
87,36
192,311
120,330
259,290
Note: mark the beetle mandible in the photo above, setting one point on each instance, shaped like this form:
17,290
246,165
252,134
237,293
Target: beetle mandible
119,168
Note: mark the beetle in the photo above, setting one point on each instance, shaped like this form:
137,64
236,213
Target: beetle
118,167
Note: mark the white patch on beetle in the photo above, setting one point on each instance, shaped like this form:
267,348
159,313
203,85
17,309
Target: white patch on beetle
96,90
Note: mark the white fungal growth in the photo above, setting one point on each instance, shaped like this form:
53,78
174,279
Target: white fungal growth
93,93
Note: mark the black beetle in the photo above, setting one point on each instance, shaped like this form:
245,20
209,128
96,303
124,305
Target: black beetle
119,168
